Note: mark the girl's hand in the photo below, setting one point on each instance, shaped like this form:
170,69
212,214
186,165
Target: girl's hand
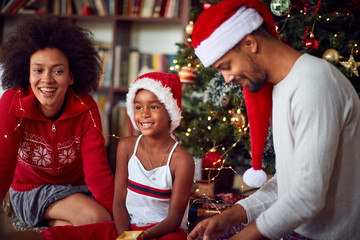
142,236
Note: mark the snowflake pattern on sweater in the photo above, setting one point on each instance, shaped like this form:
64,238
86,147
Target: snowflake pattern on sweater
36,153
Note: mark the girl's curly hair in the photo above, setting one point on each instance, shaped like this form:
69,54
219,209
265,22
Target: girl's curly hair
41,32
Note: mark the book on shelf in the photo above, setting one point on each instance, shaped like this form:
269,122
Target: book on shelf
107,80
157,8
106,59
172,8
130,63
134,60
147,8
12,6
101,8
145,64
117,66
150,8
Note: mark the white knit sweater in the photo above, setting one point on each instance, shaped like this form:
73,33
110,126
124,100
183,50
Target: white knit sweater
316,133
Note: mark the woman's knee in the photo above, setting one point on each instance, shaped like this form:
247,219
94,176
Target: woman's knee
92,214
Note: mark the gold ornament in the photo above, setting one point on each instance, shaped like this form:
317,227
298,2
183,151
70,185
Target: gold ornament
351,65
237,119
189,28
331,55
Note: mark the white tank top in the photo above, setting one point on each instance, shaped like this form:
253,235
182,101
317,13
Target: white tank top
149,192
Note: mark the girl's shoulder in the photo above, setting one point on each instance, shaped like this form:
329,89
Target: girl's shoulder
182,156
127,144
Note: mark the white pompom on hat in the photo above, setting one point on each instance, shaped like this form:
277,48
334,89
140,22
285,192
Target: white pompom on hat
216,31
166,87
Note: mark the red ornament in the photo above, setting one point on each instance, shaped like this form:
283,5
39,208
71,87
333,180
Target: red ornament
206,6
312,44
187,75
212,159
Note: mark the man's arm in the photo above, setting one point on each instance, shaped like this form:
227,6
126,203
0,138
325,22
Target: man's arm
214,227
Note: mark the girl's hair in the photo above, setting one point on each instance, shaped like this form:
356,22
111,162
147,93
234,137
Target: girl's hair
42,32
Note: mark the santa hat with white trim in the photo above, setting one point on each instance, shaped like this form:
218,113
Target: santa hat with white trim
216,31
166,87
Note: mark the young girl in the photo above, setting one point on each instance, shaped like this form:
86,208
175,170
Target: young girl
154,174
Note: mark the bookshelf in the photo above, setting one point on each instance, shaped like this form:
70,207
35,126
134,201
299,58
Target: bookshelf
120,25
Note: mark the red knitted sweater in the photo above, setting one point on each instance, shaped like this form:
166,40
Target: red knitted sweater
36,151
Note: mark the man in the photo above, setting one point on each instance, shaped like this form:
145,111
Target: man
315,120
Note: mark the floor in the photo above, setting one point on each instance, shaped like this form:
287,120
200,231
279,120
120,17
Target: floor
7,232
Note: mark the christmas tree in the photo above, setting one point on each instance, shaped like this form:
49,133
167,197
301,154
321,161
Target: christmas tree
214,113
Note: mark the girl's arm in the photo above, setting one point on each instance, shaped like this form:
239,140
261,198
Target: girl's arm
182,167
121,216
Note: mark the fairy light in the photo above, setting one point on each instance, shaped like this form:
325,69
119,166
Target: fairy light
209,118
209,127
21,118
189,40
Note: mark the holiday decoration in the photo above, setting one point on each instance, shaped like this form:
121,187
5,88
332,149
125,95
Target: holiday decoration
237,119
218,91
206,6
312,43
331,55
189,28
187,75
280,7
351,65
212,159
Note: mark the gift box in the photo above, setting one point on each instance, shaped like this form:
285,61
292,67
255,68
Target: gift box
230,198
205,188
130,235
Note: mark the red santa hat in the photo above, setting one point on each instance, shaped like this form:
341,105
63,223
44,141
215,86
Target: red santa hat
216,31
166,87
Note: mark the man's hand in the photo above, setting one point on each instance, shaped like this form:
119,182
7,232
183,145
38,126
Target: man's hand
250,232
210,228
214,227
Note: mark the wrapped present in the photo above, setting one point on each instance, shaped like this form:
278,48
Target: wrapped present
130,235
230,198
205,188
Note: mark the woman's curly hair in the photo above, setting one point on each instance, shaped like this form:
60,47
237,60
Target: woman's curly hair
41,32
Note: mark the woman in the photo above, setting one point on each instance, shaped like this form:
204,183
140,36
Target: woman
52,148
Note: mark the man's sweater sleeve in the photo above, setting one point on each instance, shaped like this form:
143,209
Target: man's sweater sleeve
261,200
